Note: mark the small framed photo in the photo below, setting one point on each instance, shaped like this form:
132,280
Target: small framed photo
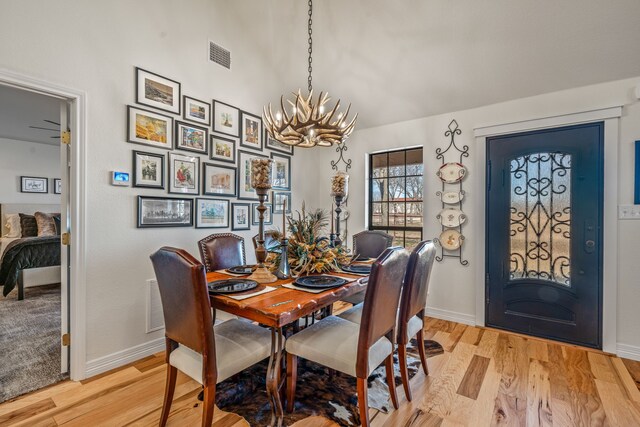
164,212
245,190
149,128
251,136
212,213
57,186
281,174
222,149
226,119
255,216
278,201
218,180
156,91
191,138
275,145
148,170
240,216
196,111
184,173
34,184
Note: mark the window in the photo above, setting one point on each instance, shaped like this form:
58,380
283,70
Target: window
395,195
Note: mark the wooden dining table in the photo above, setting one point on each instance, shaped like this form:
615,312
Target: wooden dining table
277,309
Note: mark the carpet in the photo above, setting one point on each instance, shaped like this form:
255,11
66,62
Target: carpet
317,394
29,341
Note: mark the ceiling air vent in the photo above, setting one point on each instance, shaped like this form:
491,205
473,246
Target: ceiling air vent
219,55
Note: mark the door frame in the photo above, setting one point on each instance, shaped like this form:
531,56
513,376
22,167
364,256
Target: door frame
611,118
77,100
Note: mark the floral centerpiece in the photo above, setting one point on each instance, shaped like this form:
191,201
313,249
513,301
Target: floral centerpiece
309,251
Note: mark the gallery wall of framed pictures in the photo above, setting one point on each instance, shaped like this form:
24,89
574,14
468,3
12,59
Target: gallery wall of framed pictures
204,148
40,185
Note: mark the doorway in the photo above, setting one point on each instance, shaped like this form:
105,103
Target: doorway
544,211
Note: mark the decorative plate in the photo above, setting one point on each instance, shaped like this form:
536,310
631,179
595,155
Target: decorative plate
320,282
451,173
451,239
451,217
357,268
452,197
242,269
231,286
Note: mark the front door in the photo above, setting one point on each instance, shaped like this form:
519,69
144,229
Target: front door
544,233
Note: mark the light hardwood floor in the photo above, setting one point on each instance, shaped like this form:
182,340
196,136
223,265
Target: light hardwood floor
485,377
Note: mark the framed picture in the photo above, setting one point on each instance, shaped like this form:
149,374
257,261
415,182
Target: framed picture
156,91
240,216
226,119
275,145
164,212
278,201
148,170
281,174
222,149
218,180
34,184
196,111
212,213
184,175
245,190
191,138
251,136
268,214
149,128
57,186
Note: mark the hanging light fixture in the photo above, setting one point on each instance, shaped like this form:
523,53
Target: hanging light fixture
308,122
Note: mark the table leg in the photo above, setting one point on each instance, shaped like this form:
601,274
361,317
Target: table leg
273,377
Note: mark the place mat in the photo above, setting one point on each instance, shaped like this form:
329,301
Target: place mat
252,293
318,291
231,274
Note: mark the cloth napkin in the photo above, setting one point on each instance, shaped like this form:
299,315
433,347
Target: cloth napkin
245,296
231,274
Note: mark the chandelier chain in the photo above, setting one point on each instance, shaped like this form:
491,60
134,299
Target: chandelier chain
310,50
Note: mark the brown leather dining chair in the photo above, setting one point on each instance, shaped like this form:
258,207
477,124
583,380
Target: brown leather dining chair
220,251
271,242
412,307
205,353
371,243
351,348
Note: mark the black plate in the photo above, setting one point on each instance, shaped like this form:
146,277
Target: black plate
241,269
231,286
320,282
357,269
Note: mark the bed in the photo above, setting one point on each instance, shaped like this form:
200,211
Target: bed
27,261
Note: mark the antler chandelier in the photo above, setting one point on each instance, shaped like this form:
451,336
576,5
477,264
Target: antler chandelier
308,122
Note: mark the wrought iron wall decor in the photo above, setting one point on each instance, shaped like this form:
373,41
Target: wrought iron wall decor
451,174
344,218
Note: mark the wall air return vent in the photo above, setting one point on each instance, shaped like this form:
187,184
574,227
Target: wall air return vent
219,55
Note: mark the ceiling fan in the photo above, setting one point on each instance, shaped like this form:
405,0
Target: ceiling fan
57,131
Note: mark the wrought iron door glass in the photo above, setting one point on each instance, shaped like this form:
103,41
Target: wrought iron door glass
540,220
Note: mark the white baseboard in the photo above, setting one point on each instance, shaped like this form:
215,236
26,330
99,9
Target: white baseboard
452,316
628,351
120,358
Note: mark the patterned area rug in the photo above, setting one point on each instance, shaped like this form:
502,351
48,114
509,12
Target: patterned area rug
317,393
29,341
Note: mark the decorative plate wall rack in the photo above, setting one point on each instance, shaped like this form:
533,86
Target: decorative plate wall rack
452,218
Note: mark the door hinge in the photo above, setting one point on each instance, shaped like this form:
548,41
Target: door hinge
66,340
489,175
487,281
65,137
65,238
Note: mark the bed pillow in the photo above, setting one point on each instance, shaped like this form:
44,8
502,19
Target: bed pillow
28,225
12,226
46,224
56,219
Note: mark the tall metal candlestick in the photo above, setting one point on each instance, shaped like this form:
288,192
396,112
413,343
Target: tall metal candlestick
261,182
337,239
332,235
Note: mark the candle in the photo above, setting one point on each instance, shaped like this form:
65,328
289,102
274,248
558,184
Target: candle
331,213
284,218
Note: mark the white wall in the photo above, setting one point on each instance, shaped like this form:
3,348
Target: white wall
96,51
20,158
452,288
